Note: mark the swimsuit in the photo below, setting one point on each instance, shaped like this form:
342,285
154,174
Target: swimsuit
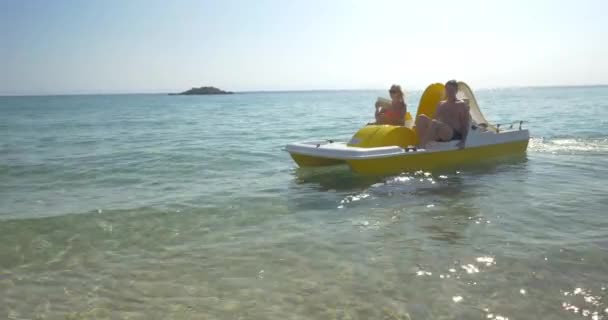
456,135
390,113
393,114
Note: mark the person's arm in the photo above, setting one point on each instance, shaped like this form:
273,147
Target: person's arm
465,125
403,113
401,107
380,109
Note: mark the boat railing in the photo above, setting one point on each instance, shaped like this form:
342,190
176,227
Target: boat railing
497,127
509,125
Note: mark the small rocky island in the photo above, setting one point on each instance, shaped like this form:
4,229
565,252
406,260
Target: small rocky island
203,91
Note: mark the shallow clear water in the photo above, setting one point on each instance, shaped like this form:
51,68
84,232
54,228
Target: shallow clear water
158,207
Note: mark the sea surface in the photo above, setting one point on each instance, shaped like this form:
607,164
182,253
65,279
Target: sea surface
188,207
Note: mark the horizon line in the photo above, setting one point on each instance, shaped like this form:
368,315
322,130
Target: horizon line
108,93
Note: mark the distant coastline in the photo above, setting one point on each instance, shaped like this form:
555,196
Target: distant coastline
277,91
202,91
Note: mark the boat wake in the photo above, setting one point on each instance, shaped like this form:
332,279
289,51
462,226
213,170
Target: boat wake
569,145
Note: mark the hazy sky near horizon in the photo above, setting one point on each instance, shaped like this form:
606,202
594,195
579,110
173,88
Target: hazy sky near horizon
78,46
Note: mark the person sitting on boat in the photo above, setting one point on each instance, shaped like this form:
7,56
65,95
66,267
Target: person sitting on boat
451,121
392,113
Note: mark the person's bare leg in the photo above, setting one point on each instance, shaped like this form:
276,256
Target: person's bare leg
438,131
381,117
429,135
397,122
443,132
422,126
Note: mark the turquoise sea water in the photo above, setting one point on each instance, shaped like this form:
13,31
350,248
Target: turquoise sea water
187,207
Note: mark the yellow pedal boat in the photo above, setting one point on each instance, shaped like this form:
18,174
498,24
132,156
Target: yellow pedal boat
385,149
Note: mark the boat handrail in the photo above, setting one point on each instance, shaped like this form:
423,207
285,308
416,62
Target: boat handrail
510,124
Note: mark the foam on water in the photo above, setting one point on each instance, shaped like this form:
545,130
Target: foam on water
569,146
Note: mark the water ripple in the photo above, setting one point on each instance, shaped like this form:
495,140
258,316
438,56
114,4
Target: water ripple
144,206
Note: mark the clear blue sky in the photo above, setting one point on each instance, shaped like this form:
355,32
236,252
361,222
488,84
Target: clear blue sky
80,46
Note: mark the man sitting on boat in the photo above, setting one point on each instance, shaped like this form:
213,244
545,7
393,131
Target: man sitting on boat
451,120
